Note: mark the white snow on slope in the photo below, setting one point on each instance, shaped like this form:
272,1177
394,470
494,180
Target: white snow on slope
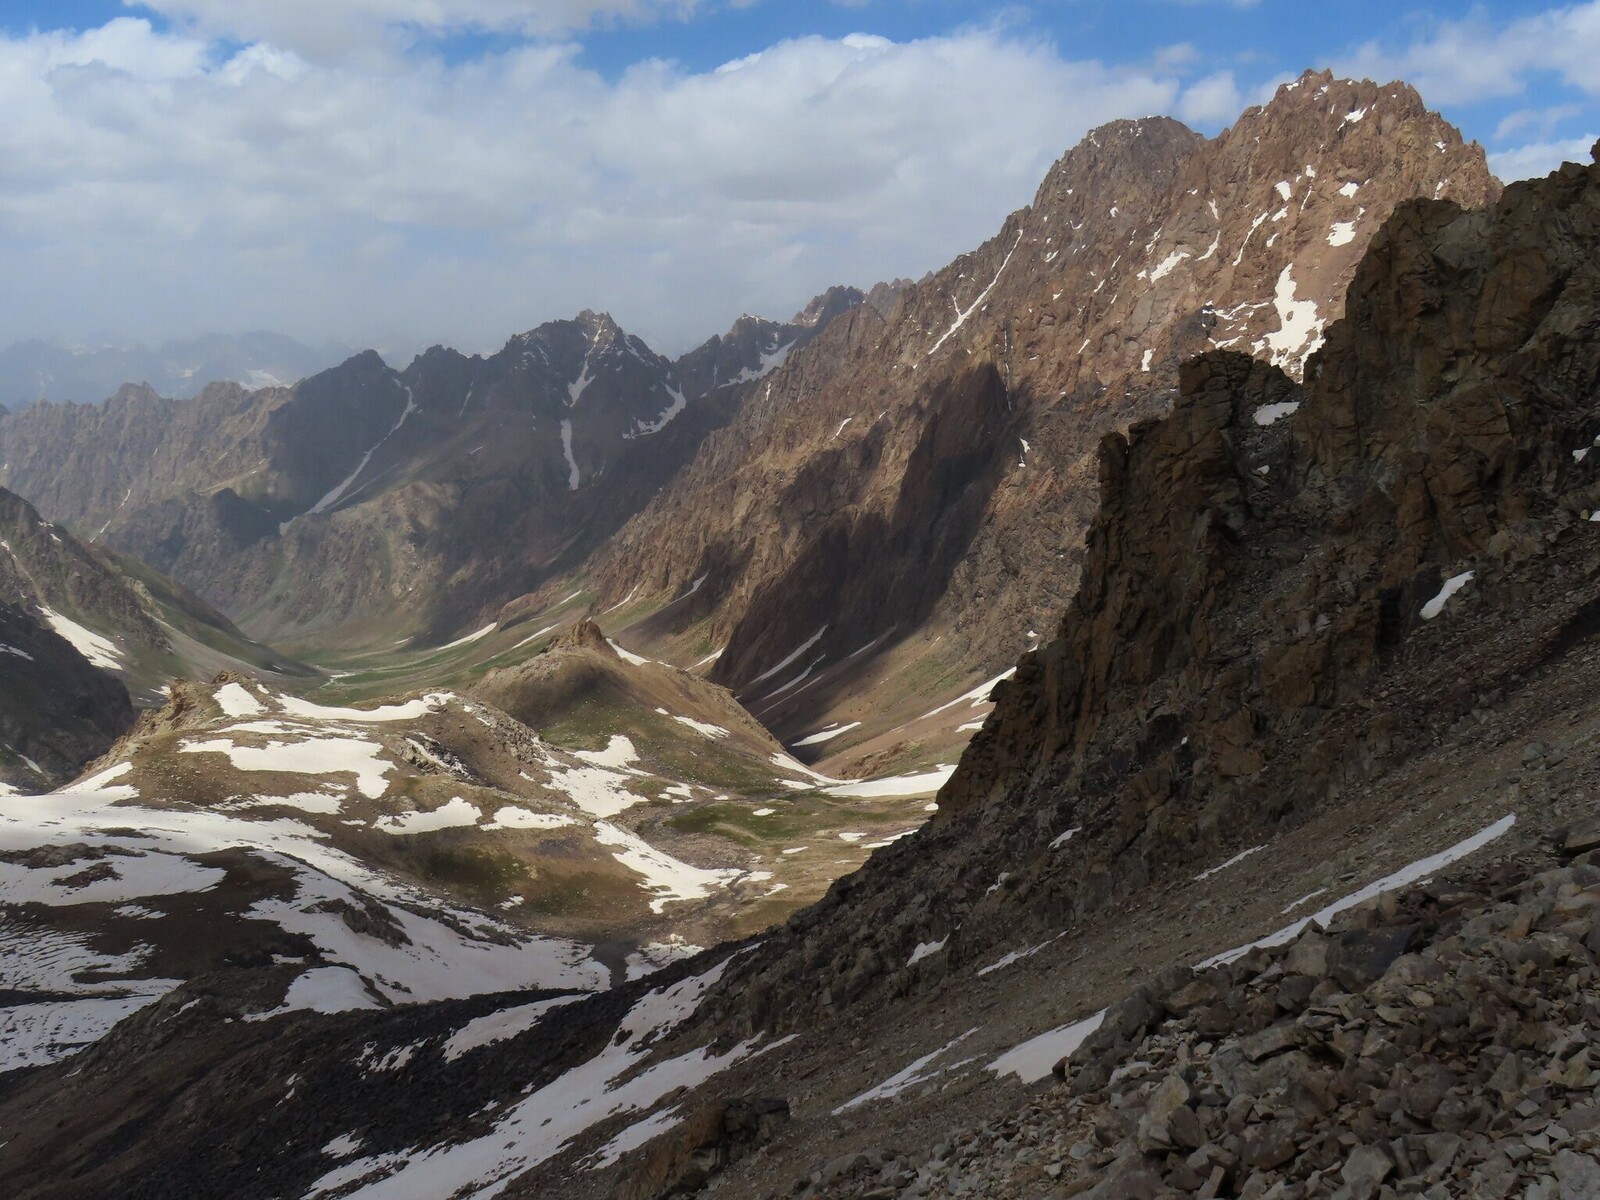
305,755
451,815
963,314
909,1077
1342,233
236,701
703,727
645,428
1269,413
1166,266
576,388
797,652
539,1126
410,710
476,636
827,735
154,853
627,656
977,697
500,1026
339,489
618,755
574,476
1299,332
668,879
99,650
511,816
1454,584
770,361
919,784
1033,1059
326,990
1234,861
1407,875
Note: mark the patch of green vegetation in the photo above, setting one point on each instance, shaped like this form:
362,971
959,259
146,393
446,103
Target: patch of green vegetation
579,893
485,874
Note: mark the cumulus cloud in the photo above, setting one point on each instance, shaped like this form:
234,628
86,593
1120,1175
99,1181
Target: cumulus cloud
153,182
1214,100
330,28
1540,158
1479,57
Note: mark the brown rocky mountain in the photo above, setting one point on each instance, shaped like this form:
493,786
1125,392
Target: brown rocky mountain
921,478
1314,665
84,628
342,500
57,711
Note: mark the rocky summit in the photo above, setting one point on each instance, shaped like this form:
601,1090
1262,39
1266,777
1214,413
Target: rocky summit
615,830
906,501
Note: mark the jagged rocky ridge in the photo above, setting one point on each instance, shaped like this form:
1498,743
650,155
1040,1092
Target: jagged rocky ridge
343,499
1258,627
931,468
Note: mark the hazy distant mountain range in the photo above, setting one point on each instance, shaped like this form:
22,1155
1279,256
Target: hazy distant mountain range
39,370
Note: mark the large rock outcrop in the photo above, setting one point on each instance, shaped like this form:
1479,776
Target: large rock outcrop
1287,588
1146,244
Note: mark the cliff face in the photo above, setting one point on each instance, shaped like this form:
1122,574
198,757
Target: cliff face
57,711
1288,588
1146,244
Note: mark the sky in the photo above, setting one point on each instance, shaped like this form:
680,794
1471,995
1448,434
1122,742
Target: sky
396,173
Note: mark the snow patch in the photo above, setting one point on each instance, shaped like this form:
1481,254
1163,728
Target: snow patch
963,314
99,650
1223,866
827,735
1454,584
451,815
895,785
1033,1059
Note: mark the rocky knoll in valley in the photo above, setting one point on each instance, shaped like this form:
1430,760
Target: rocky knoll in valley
345,498
934,466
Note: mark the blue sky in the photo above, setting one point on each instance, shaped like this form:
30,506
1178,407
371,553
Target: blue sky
396,172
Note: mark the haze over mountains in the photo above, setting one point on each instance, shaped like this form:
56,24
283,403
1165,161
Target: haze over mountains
39,370
1233,502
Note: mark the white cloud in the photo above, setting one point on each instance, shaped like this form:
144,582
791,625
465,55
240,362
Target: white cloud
150,186
1540,158
1478,58
1214,100
330,28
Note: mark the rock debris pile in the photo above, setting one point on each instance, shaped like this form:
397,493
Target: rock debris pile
1444,1043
